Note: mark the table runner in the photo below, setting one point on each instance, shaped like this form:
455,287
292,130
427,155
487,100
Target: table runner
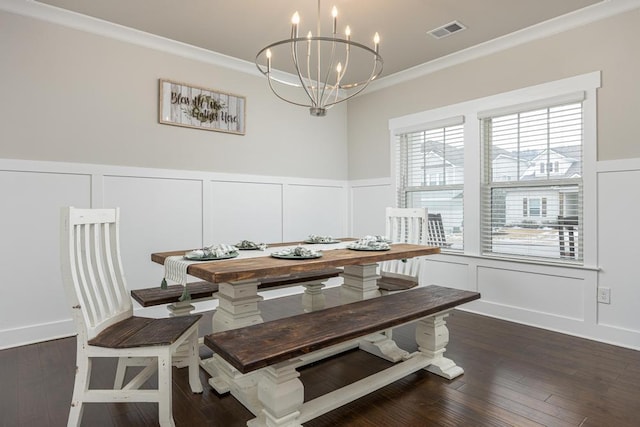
175,269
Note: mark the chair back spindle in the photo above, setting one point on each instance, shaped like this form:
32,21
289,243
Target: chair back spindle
405,225
91,262
436,235
567,236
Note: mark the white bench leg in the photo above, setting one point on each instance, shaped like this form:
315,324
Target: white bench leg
432,337
180,308
381,345
281,393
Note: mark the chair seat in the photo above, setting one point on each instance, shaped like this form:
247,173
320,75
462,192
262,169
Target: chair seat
144,332
394,283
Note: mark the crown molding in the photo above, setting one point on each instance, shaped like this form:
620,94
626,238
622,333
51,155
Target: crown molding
66,18
592,13
97,26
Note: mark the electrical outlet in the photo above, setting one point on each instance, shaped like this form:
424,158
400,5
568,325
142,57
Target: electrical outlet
604,295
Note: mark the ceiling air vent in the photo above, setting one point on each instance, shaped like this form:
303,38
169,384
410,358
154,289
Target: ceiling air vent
447,30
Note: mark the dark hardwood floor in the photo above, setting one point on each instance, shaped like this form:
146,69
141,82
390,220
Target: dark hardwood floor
514,376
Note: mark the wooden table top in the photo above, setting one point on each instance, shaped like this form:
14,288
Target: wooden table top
231,270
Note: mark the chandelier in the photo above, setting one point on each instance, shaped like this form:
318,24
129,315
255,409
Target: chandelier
328,70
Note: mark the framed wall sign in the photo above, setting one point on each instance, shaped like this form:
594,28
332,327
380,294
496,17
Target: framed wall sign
201,108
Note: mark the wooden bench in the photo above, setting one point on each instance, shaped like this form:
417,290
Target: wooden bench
148,297
278,345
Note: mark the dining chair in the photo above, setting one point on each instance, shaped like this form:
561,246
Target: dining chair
403,225
435,231
102,311
567,236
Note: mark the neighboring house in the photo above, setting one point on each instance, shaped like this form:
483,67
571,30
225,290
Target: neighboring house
543,206
443,164
506,167
438,165
559,163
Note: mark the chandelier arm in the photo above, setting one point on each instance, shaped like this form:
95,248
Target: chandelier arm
363,85
282,98
377,60
294,54
326,78
313,90
337,86
336,89
346,61
318,98
340,76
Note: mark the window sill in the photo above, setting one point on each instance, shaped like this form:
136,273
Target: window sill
574,266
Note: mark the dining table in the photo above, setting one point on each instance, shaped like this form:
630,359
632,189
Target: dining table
238,279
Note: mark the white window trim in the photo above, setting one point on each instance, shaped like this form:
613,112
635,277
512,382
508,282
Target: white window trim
586,84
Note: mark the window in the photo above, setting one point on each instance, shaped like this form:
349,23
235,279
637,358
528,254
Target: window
529,174
430,169
540,149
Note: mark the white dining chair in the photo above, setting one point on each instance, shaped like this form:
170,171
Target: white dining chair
403,225
435,231
106,327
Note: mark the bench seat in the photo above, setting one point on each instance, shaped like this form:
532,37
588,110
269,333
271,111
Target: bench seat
148,297
264,358
264,344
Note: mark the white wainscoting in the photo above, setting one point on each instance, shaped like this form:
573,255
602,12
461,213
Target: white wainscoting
32,302
167,209
368,200
558,298
160,210
618,237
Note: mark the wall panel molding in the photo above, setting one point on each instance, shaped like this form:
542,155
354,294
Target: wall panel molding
161,209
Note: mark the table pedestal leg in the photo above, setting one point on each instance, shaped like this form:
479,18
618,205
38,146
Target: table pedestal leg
313,297
360,283
432,337
237,307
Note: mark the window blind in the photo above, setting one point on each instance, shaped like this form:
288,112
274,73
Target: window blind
532,188
430,174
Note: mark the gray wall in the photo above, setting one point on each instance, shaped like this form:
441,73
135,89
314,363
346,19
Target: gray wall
610,45
547,296
73,96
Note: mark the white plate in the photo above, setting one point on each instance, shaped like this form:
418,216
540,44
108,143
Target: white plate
353,248
212,258
291,256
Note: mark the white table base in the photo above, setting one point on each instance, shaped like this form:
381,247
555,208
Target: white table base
238,307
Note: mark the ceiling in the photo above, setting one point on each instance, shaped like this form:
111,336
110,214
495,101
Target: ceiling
240,28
